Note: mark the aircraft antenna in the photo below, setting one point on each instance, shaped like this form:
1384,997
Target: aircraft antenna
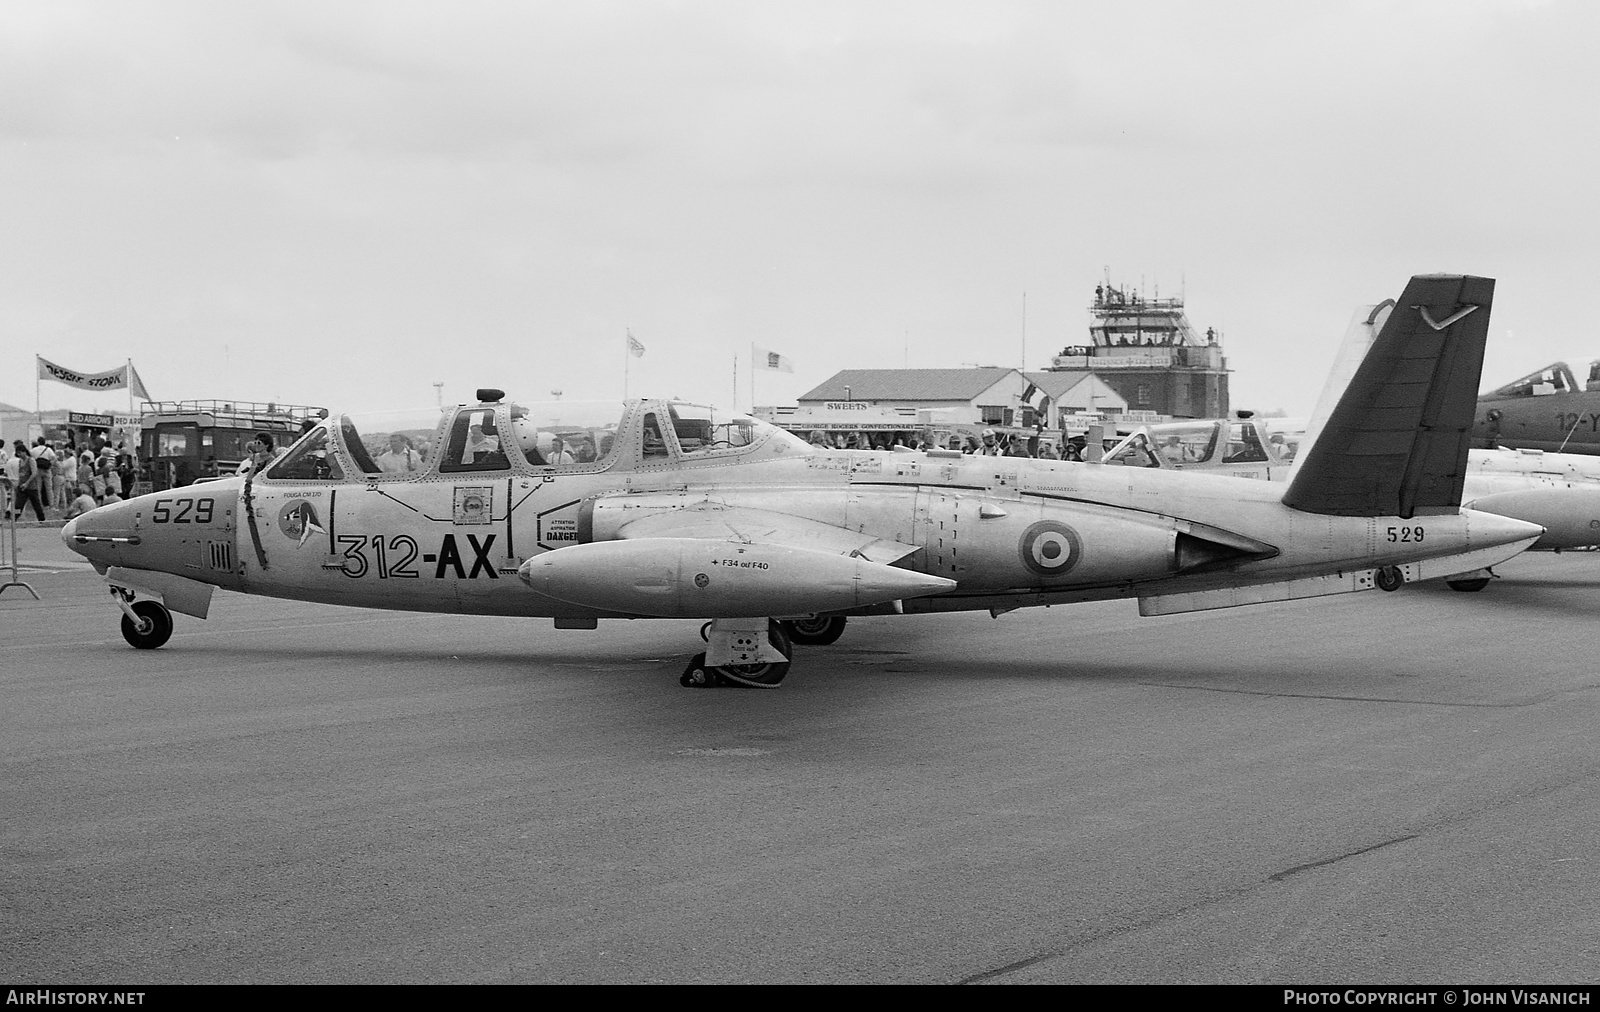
1563,447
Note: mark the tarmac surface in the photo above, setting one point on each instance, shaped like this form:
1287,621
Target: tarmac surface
1374,788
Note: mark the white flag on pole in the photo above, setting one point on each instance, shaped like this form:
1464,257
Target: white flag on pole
765,359
634,347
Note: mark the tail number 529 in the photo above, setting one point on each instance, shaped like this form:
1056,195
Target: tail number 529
1405,534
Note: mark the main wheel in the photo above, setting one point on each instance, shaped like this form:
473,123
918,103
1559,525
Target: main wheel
765,675
154,628
817,631
1388,578
1471,586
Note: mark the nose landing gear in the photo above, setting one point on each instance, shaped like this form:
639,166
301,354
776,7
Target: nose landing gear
146,625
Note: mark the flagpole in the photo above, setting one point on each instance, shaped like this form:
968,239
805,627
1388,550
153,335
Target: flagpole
735,405
130,386
38,412
627,353
752,377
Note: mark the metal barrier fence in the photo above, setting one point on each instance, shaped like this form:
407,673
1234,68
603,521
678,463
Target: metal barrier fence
8,528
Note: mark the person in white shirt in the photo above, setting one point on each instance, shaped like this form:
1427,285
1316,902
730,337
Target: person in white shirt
81,505
68,464
559,456
478,442
9,467
400,457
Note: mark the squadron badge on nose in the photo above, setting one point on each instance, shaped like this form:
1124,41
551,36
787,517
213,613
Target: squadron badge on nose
1049,548
298,520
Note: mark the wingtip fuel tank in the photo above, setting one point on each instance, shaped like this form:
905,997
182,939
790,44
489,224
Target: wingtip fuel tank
695,578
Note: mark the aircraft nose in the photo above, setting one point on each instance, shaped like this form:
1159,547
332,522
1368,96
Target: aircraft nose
103,535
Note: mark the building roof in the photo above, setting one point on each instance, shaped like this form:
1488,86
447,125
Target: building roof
907,384
1054,384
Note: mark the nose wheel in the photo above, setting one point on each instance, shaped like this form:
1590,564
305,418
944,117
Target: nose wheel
146,625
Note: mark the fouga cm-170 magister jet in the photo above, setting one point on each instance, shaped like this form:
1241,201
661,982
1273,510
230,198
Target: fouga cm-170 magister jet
671,510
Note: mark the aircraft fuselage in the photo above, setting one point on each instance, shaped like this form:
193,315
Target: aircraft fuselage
1009,532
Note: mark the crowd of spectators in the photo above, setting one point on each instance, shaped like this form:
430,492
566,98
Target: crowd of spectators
988,443
60,480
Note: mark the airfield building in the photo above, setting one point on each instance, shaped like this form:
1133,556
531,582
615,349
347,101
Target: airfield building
1148,353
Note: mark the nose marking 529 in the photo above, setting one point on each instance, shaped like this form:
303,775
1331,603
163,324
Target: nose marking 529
202,509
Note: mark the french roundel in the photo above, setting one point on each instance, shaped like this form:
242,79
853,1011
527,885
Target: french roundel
1049,548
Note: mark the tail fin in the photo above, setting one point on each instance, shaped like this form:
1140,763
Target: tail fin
1396,443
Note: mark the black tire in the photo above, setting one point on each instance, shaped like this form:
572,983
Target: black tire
762,675
156,623
695,676
1388,578
1471,586
815,632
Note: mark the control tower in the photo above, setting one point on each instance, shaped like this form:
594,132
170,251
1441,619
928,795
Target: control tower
1146,351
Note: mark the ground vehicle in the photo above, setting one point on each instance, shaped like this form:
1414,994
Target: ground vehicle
182,441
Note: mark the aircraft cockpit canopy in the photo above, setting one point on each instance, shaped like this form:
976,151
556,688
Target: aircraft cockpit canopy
1552,379
704,430
566,433
1177,444
1135,450
1231,441
311,458
504,436
479,438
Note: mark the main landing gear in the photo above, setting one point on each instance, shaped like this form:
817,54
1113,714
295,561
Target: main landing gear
816,631
750,652
1469,583
145,624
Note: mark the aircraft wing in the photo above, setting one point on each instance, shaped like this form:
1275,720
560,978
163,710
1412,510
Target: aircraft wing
710,521
1396,444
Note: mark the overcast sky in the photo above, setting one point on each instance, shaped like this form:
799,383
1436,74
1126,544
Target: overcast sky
344,203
